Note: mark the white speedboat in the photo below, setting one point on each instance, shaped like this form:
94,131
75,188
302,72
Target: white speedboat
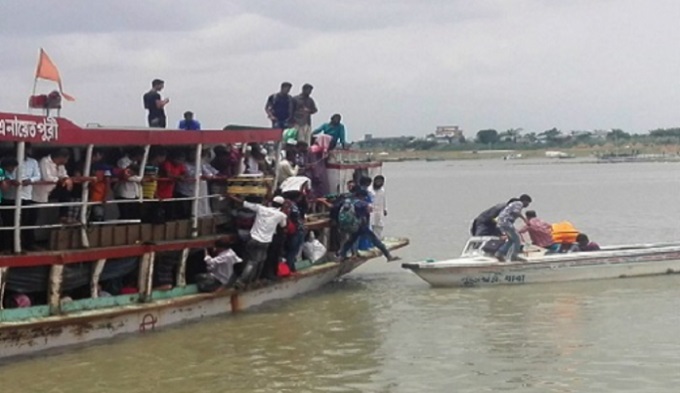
475,267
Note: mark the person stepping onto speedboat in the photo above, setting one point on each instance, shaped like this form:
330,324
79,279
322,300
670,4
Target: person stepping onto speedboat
506,223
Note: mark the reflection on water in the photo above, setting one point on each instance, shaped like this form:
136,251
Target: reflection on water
384,330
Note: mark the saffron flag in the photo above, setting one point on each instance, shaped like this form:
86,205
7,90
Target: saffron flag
47,70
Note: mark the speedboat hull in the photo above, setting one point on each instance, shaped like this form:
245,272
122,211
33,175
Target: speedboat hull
614,262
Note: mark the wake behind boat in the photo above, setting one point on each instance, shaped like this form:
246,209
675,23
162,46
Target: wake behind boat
477,267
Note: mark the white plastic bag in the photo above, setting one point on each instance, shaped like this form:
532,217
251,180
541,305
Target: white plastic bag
313,249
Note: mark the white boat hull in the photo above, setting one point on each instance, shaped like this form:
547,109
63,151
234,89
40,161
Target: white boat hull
619,262
31,337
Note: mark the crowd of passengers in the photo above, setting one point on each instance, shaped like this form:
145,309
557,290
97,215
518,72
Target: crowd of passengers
499,221
273,232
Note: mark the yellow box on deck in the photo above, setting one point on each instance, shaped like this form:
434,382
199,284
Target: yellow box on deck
258,186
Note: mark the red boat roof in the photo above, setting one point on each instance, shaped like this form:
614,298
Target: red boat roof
60,131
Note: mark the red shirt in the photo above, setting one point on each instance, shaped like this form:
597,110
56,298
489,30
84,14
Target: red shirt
166,188
540,232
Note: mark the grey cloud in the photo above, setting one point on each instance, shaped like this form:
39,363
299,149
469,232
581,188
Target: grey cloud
40,17
391,67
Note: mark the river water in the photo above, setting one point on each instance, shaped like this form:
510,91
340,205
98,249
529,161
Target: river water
381,329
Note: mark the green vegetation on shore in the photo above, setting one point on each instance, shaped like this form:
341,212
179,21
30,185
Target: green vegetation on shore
491,144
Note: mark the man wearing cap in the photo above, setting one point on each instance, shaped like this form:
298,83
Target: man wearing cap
305,107
261,235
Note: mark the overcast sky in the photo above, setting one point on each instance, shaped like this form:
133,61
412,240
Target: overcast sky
398,67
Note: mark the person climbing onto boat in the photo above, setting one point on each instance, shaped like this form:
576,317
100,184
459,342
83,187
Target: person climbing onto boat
485,224
540,232
506,223
219,262
354,217
335,129
584,244
261,234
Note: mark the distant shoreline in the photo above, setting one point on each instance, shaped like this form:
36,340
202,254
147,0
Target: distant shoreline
650,153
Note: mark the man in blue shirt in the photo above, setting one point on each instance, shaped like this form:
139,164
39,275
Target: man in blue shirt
334,129
189,123
279,107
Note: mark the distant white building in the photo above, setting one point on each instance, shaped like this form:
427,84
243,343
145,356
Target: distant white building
448,134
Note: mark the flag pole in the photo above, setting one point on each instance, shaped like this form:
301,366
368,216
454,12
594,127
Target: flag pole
35,86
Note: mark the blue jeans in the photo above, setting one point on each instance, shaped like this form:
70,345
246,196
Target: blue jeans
364,230
513,244
293,245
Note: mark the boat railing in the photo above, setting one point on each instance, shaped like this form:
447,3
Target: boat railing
340,156
474,245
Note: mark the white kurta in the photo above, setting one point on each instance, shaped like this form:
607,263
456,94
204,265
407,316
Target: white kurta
379,207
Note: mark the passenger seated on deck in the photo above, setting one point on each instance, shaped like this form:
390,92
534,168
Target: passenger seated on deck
584,244
539,231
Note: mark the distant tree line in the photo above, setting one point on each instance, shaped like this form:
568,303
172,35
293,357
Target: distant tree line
515,138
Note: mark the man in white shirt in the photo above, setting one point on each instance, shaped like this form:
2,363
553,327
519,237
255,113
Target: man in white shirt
266,221
53,170
287,167
379,211
220,265
128,188
30,173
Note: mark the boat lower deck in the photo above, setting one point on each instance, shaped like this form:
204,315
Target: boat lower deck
102,318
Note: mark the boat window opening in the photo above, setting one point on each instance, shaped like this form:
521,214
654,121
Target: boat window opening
82,232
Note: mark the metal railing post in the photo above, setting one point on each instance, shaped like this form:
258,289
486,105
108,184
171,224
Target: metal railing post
96,273
21,154
54,289
181,278
278,164
3,282
84,198
145,280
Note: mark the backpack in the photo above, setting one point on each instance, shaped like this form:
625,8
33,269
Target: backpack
348,222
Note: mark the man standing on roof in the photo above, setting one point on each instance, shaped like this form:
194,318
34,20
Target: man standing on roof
335,129
188,123
267,219
279,107
305,107
155,105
